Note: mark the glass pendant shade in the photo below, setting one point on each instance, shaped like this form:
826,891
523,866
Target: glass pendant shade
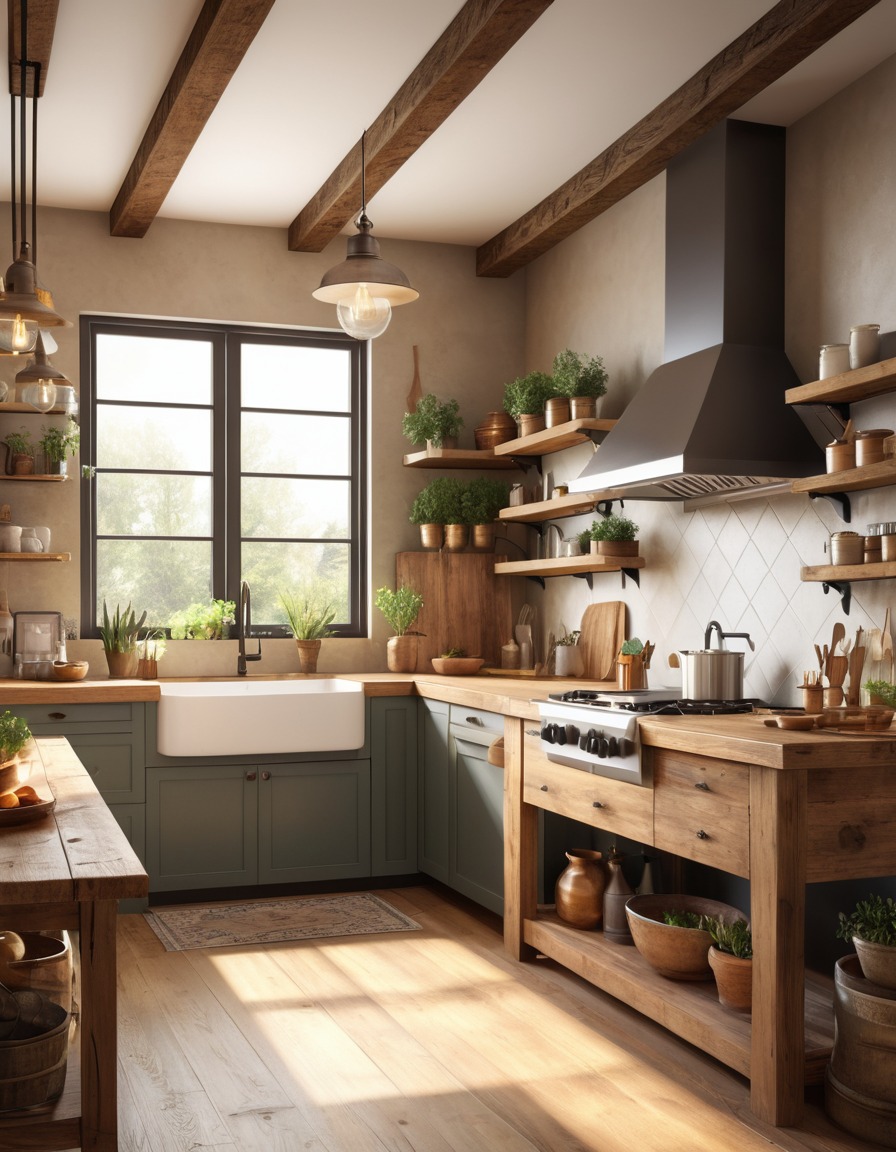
364,316
40,395
37,381
17,335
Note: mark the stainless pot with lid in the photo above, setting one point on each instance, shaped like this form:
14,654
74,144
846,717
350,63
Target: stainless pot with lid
712,673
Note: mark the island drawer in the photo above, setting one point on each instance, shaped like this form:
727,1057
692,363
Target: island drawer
617,806
476,720
702,809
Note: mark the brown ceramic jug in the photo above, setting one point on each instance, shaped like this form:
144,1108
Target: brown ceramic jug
579,893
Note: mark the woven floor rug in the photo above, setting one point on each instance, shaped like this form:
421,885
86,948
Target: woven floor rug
272,921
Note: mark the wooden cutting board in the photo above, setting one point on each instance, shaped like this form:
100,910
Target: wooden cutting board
603,631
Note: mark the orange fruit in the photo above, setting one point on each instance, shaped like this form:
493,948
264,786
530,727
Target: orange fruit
26,790
9,800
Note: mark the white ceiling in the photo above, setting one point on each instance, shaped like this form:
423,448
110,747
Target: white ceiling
320,71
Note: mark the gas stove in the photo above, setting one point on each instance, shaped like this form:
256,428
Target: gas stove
597,731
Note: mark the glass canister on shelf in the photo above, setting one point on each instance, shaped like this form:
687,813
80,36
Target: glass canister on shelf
864,345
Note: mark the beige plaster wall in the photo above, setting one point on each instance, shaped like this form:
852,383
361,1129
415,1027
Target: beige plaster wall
601,292
469,332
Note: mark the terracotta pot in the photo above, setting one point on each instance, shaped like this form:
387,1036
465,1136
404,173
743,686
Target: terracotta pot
583,407
401,653
579,892
309,650
482,537
531,423
22,465
878,962
556,411
457,536
148,669
431,536
734,979
122,665
496,428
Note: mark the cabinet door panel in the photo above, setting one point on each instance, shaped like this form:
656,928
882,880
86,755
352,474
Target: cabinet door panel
393,785
115,766
434,798
478,834
314,821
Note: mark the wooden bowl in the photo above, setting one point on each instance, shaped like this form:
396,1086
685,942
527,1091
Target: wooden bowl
70,669
457,665
801,723
677,953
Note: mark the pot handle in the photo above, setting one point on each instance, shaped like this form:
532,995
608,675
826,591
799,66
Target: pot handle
674,662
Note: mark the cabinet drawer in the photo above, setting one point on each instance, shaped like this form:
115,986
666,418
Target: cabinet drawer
476,720
616,805
702,810
60,719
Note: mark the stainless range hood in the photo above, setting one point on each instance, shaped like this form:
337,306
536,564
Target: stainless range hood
712,419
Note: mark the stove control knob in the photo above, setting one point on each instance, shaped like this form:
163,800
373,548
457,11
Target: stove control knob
559,734
613,746
626,747
603,747
572,733
547,733
593,739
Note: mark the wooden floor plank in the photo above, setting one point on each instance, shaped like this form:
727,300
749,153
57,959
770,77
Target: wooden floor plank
430,1041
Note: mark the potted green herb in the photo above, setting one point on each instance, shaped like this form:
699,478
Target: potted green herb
119,635
871,927
14,735
525,398
881,692
57,443
19,453
731,959
309,622
581,378
433,422
209,621
400,608
614,536
483,500
442,502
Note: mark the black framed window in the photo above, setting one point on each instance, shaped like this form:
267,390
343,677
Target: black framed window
219,454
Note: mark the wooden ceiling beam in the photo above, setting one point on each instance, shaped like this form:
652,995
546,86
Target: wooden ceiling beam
41,28
777,42
472,44
216,45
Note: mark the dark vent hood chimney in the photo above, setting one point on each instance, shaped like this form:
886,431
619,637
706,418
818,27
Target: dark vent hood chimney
712,419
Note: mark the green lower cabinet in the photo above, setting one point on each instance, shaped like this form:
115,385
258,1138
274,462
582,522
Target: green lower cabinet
434,791
477,830
393,785
222,826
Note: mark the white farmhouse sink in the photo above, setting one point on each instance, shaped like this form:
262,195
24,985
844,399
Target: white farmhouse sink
258,717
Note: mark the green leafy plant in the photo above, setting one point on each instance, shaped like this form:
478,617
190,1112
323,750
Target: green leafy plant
203,621
735,938
57,443
584,539
14,735
684,919
308,620
440,502
568,639
433,420
452,653
401,607
576,374
19,443
616,528
153,645
526,395
883,690
483,499
121,631
633,647
873,920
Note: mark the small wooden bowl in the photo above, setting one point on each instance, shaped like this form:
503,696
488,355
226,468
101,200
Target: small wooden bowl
70,669
801,723
457,665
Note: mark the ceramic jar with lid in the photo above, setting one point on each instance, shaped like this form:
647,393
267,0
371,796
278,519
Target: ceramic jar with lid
840,455
30,542
870,445
847,548
864,345
832,360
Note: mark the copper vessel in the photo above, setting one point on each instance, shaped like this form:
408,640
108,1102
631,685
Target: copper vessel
496,428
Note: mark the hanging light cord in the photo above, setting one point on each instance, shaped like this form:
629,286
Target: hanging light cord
19,213
363,215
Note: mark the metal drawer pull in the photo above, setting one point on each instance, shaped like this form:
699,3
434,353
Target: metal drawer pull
702,785
701,835
475,720
544,788
250,775
597,804
56,715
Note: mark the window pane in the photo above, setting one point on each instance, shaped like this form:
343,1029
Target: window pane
318,570
161,576
295,508
132,504
315,445
312,379
160,438
154,369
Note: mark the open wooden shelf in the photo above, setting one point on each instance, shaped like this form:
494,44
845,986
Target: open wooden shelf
881,475
28,409
847,387
880,570
556,509
553,439
34,476
689,1009
480,458
567,566
31,557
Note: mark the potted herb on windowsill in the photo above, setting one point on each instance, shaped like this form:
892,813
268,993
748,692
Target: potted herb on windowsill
525,398
434,422
483,500
871,927
614,536
309,623
400,608
120,634
204,621
583,379
56,444
19,453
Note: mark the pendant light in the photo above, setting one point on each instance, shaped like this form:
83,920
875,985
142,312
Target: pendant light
364,287
24,305
38,380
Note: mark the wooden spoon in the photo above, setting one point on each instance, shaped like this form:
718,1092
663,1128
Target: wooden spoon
416,392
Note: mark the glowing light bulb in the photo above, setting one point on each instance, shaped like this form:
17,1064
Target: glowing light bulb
21,337
41,395
364,316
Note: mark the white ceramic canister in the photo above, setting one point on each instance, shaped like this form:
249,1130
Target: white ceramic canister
29,541
832,360
864,345
43,534
10,538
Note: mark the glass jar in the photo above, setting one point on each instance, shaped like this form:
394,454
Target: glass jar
864,345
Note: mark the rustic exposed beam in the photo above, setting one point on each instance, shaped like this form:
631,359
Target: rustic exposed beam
777,42
41,26
472,44
219,40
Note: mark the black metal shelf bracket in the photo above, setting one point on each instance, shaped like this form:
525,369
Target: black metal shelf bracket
539,580
633,574
840,500
588,577
843,588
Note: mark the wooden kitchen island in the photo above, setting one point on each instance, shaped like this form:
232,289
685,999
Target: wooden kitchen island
68,871
782,809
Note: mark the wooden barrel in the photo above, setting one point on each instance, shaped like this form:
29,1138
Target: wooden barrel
32,1071
860,1081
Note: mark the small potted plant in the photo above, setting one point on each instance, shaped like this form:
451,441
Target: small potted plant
614,536
209,621
731,960
442,502
568,657
309,622
881,692
525,398
19,453
424,513
871,927
150,651
434,422
56,444
483,500
400,608
120,634
583,379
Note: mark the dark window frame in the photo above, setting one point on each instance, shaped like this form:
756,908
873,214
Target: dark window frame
227,341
